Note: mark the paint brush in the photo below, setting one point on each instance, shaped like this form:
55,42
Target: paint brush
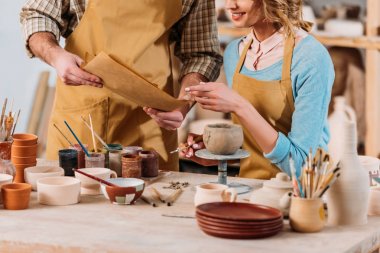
186,146
148,201
96,135
63,135
96,178
14,126
92,134
80,143
157,194
3,112
173,197
322,191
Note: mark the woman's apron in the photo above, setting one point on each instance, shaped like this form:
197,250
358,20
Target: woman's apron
274,101
135,33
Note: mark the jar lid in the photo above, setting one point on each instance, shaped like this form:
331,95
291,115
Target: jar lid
281,181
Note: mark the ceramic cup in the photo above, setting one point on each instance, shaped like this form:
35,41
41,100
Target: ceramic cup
32,174
131,166
90,186
16,196
223,139
149,163
374,201
4,179
211,192
307,215
68,160
372,165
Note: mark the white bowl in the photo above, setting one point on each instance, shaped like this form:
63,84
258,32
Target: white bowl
4,179
32,174
90,186
58,191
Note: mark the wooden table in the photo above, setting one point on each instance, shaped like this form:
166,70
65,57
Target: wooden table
95,225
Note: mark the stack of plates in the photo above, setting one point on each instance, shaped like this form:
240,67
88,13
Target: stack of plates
238,220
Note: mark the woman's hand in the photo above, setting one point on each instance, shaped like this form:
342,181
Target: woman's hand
193,146
216,97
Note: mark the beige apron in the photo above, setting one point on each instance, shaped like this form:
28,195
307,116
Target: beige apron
135,33
274,101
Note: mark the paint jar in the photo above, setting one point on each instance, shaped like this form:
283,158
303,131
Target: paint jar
106,152
95,160
149,163
131,166
131,150
81,155
68,160
5,149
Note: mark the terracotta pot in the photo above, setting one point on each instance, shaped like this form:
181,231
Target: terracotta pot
16,196
25,139
223,139
23,151
20,177
306,215
23,160
131,166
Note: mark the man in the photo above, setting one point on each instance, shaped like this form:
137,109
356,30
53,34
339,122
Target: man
135,33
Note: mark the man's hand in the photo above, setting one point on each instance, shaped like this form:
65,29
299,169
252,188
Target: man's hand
168,120
44,46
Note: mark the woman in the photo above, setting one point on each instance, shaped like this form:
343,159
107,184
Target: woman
281,80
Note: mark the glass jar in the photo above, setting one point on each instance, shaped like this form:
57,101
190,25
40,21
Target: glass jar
95,160
81,155
5,149
7,167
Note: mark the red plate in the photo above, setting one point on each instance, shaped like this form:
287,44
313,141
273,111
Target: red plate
239,235
238,227
239,211
237,223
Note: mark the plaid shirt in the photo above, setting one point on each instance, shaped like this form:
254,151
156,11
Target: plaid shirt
195,34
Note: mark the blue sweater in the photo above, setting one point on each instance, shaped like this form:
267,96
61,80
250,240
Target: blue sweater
312,74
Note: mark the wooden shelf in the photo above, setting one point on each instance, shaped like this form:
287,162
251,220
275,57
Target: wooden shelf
355,42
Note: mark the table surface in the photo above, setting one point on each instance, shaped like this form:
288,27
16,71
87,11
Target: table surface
96,225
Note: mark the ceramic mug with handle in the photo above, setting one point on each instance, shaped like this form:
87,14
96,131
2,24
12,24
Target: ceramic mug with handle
212,192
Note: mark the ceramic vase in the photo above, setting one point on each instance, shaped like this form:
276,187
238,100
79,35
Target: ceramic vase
347,199
337,120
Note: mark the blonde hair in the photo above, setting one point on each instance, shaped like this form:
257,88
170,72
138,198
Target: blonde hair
286,14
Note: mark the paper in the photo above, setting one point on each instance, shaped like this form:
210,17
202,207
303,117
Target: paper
131,85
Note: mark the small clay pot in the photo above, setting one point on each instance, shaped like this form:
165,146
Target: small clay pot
20,176
16,196
223,139
131,166
23,151
307,215
24,139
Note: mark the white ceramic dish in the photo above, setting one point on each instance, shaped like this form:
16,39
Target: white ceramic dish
58,191
90,186
32,174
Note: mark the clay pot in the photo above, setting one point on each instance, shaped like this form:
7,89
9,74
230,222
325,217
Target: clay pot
19,177
16,196
24,139
149,163
23,151
306,215
223,139
131,166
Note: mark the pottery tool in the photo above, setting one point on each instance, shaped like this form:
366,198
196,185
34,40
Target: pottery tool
173,197
178,216
146,200
96,135
3,111
157,194
186,146
14,126
80,143
63,135
92,133
95,178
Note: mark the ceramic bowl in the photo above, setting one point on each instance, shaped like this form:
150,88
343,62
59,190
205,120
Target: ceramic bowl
23,151
90,186
24,139
4,179
58,191
223,139
32,174
127,191
16,196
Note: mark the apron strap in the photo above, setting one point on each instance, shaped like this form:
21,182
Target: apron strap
288,55
242,57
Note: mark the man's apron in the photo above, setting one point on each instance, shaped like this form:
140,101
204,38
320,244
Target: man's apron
135,34
274,101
